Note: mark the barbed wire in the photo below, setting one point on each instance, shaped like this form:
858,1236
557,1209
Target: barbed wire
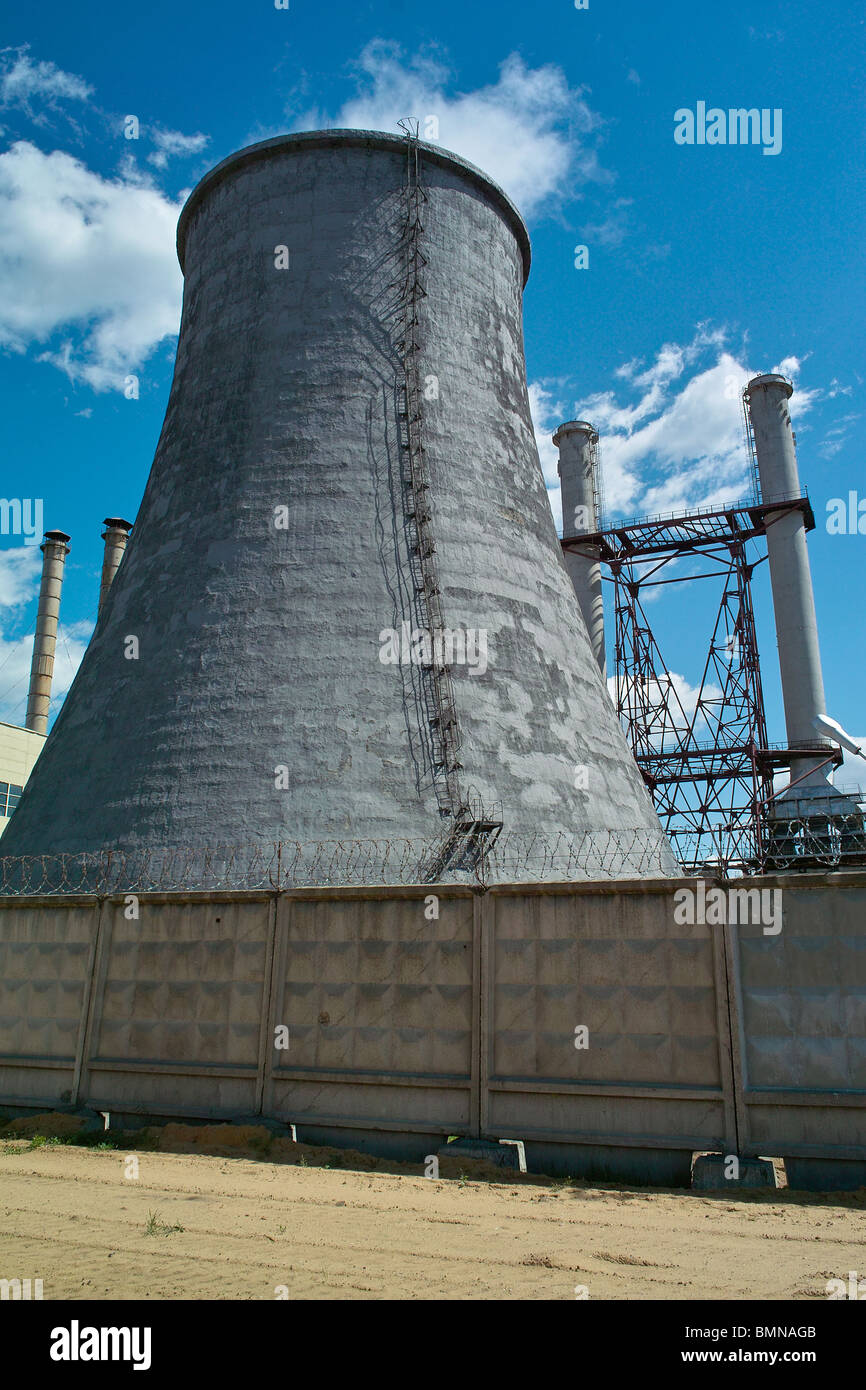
798,842
513,857
801,840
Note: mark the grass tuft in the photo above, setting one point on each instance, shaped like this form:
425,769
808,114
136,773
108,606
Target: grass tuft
155,1227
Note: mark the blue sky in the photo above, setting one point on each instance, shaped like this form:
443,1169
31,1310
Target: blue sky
707,264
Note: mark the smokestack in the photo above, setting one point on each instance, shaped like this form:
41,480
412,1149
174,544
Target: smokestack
577,443
54,550
767,398
116,536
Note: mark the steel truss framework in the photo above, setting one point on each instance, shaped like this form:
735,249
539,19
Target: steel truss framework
709,767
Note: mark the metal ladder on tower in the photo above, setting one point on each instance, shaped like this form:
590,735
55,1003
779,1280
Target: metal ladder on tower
442,716
470,832
751,452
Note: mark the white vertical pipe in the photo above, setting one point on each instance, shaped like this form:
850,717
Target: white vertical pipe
793,600
576,441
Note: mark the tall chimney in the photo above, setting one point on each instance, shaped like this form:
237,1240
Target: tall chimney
767,398
54,550
577,443
116,536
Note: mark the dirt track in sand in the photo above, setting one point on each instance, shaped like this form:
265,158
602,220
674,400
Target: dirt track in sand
244,1226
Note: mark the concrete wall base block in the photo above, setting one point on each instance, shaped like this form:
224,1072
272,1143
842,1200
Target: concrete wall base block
825,1174
709,1173
606,1163
488,1150
407,1147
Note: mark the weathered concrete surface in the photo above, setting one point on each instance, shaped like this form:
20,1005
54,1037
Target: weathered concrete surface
799,999
259,646
401,1031
710,1173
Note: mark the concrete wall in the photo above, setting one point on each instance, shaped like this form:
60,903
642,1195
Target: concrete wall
403,1028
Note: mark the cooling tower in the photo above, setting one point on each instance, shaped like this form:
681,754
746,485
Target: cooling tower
343,610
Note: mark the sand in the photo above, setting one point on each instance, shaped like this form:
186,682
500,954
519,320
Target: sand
255,1219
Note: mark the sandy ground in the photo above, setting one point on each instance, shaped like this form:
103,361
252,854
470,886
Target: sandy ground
222,1225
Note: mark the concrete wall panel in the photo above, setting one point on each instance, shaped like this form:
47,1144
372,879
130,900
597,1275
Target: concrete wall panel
371,989
180,989
618,965
801,997
645,988
46,957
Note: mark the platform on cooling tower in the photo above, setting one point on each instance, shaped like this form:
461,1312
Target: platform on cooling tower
464,848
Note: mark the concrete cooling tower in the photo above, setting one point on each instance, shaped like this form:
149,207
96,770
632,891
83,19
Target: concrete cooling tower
343,612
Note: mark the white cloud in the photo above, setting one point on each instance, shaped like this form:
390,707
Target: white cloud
612,229
836,437
546,416
834,389
72,640
19,571
673,704
171,144
15,657
530,131
85,254
87,263
22,82
15,654
671,437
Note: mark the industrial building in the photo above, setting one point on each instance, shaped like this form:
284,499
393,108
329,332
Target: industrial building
359,781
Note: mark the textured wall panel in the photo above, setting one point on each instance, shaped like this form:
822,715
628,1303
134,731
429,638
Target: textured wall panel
375,986
804,991
183,984
617,964
802,1031
44,955
646,989
371,987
